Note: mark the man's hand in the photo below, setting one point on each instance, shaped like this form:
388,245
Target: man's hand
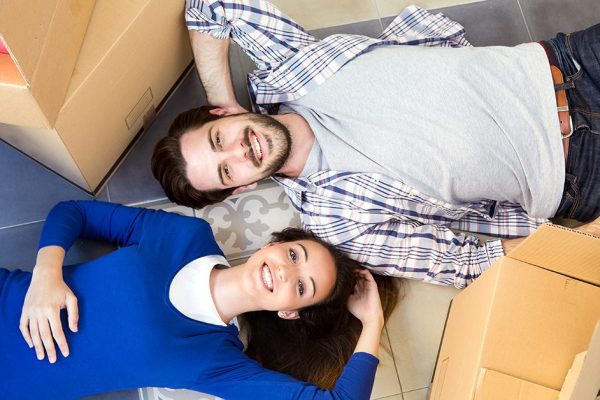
48,293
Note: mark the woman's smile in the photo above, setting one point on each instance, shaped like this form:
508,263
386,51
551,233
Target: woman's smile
267,277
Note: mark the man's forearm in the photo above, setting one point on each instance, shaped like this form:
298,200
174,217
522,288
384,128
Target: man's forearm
212,61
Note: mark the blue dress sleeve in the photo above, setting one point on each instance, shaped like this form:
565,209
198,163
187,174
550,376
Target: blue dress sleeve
113,223
244,378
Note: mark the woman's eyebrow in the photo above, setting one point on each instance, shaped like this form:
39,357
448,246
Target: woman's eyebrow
305,252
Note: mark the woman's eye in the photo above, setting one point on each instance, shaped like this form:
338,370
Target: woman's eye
218,141
227,172
293,256
300,288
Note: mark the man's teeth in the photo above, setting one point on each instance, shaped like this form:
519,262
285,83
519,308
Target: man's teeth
257,149
266,277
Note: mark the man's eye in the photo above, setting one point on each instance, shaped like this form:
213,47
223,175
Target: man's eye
300,288
293,256
226,171
218,141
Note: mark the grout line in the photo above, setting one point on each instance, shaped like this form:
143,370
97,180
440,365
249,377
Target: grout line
379,17
525,20
393,357
23,224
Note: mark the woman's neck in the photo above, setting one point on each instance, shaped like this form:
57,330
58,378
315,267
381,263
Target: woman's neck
227,293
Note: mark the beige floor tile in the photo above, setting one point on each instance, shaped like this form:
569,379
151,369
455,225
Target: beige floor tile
388,8
393,397
314,14
420,394
386,379
415,330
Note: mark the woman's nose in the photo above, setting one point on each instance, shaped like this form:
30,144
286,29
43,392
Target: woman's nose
283,273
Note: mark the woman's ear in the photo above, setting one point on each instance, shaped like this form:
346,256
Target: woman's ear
288,314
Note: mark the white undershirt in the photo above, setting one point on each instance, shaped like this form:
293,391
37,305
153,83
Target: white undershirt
190,290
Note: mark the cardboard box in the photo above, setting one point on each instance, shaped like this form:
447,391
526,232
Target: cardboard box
41,41
521,324
133,53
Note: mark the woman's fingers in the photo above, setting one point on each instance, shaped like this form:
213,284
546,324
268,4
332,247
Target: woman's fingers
58,335
46,336
24,328
36,339
72,312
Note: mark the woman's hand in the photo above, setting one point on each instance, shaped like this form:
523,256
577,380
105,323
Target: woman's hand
40,322
365,303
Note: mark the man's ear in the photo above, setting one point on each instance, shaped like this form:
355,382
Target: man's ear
242,189
288,314
224,111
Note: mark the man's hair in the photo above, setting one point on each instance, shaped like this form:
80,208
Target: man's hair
315,347
169,166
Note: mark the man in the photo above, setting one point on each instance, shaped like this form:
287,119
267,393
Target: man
385,148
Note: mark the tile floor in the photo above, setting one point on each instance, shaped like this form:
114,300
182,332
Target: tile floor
28,190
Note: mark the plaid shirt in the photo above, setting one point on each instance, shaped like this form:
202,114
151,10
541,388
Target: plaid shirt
381,222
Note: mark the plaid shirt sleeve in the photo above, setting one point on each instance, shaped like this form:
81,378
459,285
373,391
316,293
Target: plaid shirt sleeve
263,32
406,249
510,221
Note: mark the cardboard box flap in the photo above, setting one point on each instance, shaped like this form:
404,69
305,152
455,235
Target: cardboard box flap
24,32
43,39
583,379
494,385
562,250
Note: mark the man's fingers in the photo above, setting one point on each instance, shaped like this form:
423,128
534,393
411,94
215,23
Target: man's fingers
35,338
72,312
58,334
46,336
24,328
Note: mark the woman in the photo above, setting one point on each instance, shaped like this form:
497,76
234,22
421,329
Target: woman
156,312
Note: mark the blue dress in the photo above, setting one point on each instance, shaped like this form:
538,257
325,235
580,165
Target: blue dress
130,335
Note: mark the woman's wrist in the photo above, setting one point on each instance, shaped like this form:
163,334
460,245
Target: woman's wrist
375,322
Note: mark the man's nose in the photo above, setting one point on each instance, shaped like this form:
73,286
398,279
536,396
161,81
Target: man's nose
239,151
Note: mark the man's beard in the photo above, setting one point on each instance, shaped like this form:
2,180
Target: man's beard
276,130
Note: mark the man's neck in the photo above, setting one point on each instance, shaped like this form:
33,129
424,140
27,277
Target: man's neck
303,139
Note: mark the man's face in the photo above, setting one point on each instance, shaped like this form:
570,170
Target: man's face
235,151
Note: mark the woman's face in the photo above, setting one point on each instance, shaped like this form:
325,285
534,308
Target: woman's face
290,276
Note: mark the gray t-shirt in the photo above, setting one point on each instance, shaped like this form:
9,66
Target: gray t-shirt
459,124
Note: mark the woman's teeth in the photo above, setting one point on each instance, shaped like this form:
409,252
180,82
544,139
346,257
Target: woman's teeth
266,277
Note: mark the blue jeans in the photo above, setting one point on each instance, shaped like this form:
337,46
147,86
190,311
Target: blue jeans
578,56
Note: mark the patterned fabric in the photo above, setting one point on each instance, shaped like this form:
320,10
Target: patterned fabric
290,61
395,230
390,227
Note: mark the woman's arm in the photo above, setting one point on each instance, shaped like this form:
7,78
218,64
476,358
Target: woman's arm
48,294
240,377
365,305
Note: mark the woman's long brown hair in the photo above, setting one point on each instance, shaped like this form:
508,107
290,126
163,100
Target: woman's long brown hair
315,347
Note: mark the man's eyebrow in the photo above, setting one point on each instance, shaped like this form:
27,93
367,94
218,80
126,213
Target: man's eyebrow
210,140
219,169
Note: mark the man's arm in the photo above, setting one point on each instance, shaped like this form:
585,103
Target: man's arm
263,32
212,62
407,249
